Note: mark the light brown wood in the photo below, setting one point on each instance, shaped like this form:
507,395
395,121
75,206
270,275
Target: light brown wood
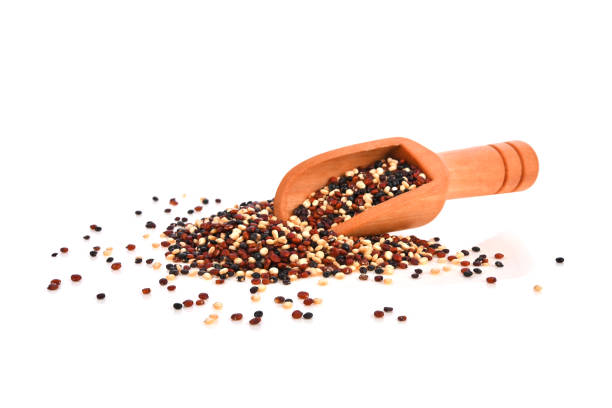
492,169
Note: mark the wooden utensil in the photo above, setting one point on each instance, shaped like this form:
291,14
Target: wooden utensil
492,169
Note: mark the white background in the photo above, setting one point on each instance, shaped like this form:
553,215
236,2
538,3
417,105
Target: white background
104,104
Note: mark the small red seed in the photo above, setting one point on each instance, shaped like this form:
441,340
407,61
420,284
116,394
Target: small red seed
491,279
53,286
146,291
302,295
499,255
63,250
116,266
188,303
236,316
75,278
200,302
203,296
56,281
170,287
296,314
255,320
130,247
379,313
401,318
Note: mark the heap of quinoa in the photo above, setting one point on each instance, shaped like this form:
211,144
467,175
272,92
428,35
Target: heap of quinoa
249,242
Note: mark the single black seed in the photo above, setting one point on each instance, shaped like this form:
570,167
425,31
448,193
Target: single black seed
467,273
100,296
258,313
476,249
110,259
559,260
54,254
150,224
465,252
415,276
307,315
499,264
253,289
93,253
477,270
388,309
178,306
138,212
155,198
86,237
418,270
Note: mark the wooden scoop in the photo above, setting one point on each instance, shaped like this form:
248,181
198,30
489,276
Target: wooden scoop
493,169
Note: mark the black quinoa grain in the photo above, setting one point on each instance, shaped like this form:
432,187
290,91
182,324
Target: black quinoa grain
138,212
559,260
150,224
307,315
100,296
475,249
178,306
258,313
499,264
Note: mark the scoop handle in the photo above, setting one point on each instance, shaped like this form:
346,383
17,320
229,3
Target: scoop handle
492,169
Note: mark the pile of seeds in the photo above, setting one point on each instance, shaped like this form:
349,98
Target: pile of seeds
249,243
